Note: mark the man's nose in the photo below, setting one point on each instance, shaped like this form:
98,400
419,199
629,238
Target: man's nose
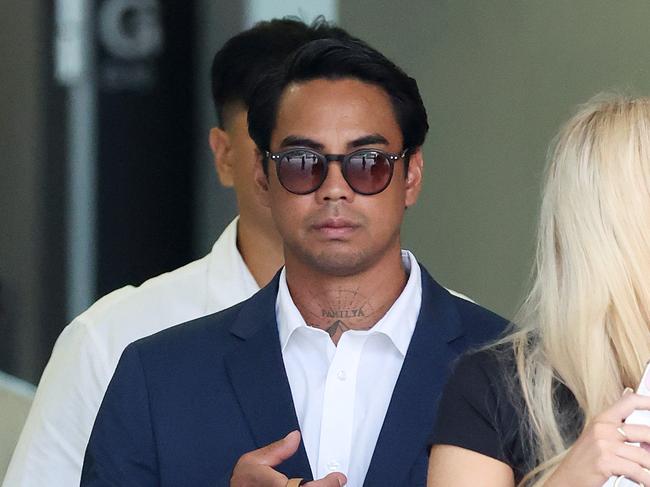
335,187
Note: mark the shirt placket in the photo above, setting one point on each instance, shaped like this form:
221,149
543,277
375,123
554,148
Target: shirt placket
337,421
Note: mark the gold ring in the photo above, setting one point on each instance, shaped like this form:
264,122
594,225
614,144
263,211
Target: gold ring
294,483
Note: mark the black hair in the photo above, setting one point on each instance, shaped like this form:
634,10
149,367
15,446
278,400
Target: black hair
246,57
338,59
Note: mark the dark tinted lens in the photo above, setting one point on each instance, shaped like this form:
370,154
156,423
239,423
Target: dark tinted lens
368,172
301,171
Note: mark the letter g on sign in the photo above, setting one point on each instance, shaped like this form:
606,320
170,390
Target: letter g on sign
130,29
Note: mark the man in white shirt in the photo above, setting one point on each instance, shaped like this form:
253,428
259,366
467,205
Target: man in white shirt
245,257
350,344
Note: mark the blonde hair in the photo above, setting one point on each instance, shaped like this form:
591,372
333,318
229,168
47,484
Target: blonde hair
586,319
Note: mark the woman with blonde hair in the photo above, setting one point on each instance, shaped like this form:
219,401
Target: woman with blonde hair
545,406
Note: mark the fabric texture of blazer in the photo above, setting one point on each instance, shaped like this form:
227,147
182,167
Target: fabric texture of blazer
186,403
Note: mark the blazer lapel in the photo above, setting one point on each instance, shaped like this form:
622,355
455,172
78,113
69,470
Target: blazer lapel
411,413
259,379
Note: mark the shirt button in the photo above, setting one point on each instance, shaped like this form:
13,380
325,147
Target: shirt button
341,375
333,465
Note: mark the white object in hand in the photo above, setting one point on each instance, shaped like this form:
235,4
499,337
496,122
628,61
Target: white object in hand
637,417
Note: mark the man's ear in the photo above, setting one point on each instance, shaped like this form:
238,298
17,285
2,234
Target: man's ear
221,152
261,180
413,183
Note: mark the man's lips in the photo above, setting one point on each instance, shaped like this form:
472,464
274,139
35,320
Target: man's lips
335,227
334,223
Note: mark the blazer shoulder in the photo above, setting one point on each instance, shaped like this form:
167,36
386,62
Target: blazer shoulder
459,319
479,323
211,331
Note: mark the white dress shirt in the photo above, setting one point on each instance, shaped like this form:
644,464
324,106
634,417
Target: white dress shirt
341,393
51,447
15,400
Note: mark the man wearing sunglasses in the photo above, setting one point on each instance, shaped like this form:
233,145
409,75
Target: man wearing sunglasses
245,257
333,370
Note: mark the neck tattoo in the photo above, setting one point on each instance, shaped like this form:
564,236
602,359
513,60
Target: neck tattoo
342,310
339,325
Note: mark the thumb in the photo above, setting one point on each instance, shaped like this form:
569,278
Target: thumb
278,451
336,479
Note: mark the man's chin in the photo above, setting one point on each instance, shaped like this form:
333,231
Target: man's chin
338,263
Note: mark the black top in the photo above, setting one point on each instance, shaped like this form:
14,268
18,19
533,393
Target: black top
482,410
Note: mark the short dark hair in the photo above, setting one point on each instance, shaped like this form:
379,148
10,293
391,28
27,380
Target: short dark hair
338,59
246,57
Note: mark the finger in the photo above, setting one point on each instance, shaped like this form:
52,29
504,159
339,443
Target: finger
636,433
247,474
624,407
334,479
634,454
631,470
276,452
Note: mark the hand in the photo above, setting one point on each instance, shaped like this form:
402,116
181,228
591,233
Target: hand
255,468
602,451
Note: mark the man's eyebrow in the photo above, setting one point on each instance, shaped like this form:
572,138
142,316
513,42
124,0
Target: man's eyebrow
372,139
300,141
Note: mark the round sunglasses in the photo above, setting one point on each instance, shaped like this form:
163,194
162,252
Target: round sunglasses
302,170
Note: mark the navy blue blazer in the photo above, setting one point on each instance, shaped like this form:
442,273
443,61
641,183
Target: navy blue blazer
186,403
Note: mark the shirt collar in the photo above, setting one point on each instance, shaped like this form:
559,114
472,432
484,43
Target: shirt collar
399,321
229,279
397,324
288,317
